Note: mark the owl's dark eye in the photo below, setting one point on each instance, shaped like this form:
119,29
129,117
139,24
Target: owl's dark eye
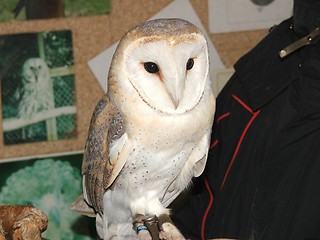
189,64
151,67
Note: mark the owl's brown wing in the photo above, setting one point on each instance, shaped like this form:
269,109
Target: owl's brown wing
106,126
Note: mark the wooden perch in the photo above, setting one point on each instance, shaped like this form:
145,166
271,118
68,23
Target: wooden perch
19,222
10,124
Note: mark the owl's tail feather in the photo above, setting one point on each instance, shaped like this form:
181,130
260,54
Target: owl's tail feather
82,207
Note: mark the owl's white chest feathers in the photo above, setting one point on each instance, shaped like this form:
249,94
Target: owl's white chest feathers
160,146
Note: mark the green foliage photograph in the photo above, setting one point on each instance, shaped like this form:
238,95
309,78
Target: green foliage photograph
51,185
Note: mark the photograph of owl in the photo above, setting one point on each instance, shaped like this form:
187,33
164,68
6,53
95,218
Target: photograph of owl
149,135
34,95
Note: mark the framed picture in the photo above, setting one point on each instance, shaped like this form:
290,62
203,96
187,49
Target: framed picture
45,9
51,185
241,15
37,87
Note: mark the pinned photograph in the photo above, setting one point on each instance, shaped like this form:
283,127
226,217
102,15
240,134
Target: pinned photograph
37,87
51,185
232,15
44,9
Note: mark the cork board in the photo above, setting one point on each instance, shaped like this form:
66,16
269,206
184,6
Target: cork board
90,36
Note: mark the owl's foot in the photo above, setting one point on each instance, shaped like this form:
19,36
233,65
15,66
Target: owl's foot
143,231
153,228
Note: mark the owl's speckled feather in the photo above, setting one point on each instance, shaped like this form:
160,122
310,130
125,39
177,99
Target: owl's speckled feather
106,126
165,27
150,133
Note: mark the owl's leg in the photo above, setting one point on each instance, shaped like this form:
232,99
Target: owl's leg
30,132
148,228
168,230
138,210
140,228
23,133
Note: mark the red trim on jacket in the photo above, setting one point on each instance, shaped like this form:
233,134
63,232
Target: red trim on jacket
254,115
204,218
223,116
215,143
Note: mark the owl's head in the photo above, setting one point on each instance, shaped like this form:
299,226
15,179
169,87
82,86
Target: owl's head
164,63
35,70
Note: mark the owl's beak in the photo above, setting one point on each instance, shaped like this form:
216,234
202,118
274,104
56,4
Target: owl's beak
176,91
36,74
175,101
175,85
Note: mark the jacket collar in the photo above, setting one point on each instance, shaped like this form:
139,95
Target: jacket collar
306,16
262,73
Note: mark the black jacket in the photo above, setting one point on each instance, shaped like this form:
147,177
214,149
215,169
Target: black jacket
262,179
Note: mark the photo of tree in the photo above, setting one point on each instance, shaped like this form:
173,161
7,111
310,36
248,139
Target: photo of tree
37,87
51,185
11,10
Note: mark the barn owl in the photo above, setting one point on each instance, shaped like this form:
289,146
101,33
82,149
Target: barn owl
34,96
150,133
